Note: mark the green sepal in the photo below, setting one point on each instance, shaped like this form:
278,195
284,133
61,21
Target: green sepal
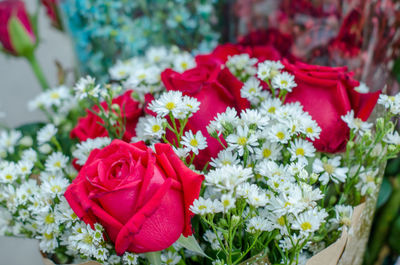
20,39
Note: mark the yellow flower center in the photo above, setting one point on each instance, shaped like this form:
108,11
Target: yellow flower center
280,135
49,219
56,188
9,177
266,153
226,203
142,76
309,130
48,236
242,140
300,151
57,164
202,207
284,82
272,110
252,90
54,95
329,168
305,226
170,105
281,221
156,128
184,65
194,143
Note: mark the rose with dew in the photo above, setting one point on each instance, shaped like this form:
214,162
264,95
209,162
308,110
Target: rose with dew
140,197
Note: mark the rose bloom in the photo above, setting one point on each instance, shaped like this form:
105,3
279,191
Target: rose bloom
16,32
88,127
141,198
262,44
327,93
216,90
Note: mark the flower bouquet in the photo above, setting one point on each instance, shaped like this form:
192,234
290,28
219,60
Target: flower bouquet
232,157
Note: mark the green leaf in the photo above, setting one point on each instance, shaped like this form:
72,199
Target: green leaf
384,193
394,236
21,41
154,257
191,244
393,167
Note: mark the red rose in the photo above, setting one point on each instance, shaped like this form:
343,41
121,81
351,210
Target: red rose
327,93
141,198
216,90
89,128
53,12
16,32
263,45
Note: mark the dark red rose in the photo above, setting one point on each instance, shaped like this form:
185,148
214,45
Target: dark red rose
141,198
88,127
327,93
216,90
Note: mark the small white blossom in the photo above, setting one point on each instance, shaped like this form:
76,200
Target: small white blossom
356,123
283,81
330,170
193,142
45,134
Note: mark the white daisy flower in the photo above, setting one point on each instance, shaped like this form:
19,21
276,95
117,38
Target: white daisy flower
154,127
202,206
9,140
283,81
270,106
29,155
170,258
225,157
119,71
368,181
86,86
253,117
343,215
83,149
258,224
190,105
300,149
270,151
330,170
269,69
56,162
242,140
156,54
55,186
278,133
392,138
356,123
392,103
183,62
212,238
310,128
45,134
228,202
251,90
309,221
195,142
169,102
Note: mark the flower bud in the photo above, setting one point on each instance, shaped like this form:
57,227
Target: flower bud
53,13
16,32
235,220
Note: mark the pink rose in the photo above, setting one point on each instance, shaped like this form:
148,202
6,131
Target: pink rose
141,198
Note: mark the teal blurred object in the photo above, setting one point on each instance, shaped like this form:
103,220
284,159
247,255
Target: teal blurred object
106,31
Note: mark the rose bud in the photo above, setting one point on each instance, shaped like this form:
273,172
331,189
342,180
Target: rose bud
17,36
53,13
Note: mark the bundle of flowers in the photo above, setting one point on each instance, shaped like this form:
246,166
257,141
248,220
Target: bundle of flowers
215,159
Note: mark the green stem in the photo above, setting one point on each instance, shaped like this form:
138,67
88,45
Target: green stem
38,71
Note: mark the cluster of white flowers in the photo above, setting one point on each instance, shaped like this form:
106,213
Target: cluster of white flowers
175,104
391,103
242,66
57,101
143,74
83,149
